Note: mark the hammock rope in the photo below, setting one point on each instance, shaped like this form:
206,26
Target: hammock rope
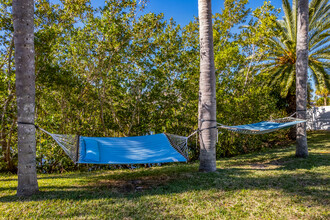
67,142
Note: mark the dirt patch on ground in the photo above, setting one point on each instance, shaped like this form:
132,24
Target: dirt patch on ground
272,164
281,162
134,185
259,166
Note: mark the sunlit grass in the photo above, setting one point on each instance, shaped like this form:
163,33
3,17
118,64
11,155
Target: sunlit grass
267,185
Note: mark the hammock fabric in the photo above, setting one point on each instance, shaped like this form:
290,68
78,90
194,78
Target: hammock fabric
264,126
158,148
128,150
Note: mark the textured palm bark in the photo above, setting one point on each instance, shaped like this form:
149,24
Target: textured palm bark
301,76
207,98
23,15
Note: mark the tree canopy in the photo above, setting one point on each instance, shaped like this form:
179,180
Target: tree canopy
119,71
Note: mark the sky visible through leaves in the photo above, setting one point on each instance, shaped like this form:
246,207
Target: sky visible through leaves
183,11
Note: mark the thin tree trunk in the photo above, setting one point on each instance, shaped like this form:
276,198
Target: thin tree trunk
3,134
23,15
301,76
8,158
7,102
207,98
290,109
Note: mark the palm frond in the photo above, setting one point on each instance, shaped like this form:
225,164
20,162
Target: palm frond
289,81
294,17
325,64
263,66
318,34
276,44
321,11
324,14
288,18
322,19
282,29
321,76
321,49
278,64
313,8
277,74
323,42
313,5
325,56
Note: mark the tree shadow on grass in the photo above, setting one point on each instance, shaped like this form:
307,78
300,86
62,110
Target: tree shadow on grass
320,138
8,180
112,188
292,163
170,179
278,172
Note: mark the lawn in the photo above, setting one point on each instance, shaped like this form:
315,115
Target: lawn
267,185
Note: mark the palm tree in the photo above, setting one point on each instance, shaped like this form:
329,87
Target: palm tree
23,15
324,93
207,99
301,76
279,64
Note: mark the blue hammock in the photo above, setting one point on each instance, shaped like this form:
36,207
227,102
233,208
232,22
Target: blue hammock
128,150
158,148
264,126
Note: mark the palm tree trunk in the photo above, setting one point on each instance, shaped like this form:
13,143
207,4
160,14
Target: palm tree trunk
207,98
301,76
23,15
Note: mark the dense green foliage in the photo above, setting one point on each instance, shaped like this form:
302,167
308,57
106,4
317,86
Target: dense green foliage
117,71
267,185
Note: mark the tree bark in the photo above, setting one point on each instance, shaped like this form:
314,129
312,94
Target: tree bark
290,109
207,97
301,76
23,20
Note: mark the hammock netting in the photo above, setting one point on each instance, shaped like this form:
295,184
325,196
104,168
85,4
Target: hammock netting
67,142
158,148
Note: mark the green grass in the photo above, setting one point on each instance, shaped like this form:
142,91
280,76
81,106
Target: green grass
266,185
